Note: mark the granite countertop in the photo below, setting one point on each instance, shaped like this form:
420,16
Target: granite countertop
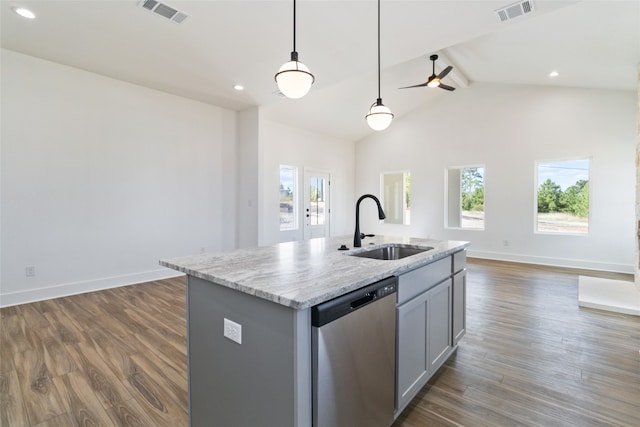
305,273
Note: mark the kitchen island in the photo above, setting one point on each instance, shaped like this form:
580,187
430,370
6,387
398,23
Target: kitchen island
261,298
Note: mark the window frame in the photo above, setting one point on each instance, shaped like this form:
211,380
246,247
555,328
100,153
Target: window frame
447,202
406,196
535,197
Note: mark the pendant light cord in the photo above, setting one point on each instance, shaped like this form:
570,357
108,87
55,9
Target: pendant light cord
294,25
378,50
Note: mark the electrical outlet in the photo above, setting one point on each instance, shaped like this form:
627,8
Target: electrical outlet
30,270
233,330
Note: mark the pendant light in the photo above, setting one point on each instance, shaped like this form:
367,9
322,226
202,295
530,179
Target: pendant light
379,117
294,78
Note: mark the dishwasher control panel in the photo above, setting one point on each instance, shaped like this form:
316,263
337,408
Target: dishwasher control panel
386,290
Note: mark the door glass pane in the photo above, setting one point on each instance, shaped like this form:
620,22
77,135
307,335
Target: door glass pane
288,213
316,201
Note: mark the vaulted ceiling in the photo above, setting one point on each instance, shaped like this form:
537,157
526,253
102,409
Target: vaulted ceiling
592,44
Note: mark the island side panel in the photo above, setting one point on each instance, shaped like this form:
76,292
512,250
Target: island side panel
264,381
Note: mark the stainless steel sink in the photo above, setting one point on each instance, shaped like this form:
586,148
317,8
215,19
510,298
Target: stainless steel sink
392,252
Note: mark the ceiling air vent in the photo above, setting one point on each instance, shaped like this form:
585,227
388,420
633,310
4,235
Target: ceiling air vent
515,10
163,10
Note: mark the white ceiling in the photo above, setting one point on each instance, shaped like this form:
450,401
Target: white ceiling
593,44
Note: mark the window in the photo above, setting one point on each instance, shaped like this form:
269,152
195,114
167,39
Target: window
396,197
288,199
563,197
465,197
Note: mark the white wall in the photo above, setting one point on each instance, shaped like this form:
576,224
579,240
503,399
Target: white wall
286,145
507,129
101,178
248,178
637,258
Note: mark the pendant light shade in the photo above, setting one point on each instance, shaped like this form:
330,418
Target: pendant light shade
379,117
294,78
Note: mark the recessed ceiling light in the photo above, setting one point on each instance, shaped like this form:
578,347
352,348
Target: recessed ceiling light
554,74
25,13
238,87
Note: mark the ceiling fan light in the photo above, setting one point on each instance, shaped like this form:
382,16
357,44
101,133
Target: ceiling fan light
434,82
25,13
294,79
379,117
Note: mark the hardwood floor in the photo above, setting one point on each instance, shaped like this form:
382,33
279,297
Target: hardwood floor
531,357
109,358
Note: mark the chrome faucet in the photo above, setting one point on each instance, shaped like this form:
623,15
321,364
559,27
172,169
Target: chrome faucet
357,236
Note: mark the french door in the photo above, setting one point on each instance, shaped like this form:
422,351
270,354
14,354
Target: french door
316,213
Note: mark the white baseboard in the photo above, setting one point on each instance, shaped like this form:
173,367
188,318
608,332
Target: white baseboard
554,262
63,290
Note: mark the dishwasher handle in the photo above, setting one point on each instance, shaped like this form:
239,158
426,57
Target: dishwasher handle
331,310
368,297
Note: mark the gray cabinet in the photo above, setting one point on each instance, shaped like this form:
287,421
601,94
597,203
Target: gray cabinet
439,341
459,316
459,305
430,321
412,366
417,281
423,340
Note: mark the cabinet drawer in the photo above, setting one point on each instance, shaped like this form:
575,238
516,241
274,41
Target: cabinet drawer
419,280
459,261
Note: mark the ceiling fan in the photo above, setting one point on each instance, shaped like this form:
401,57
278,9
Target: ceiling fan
435,81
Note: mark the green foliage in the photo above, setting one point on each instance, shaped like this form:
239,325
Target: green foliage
549,197
574,200
285,194
472,186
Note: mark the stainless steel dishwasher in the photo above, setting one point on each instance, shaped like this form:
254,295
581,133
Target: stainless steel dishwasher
354,354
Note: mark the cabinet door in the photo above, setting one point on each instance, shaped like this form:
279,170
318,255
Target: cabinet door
439,325
459,306
412,365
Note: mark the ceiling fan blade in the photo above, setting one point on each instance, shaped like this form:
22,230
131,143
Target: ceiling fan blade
445,72
445,87
409,87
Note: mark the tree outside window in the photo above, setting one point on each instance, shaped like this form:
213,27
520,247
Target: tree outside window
563,197
465,197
